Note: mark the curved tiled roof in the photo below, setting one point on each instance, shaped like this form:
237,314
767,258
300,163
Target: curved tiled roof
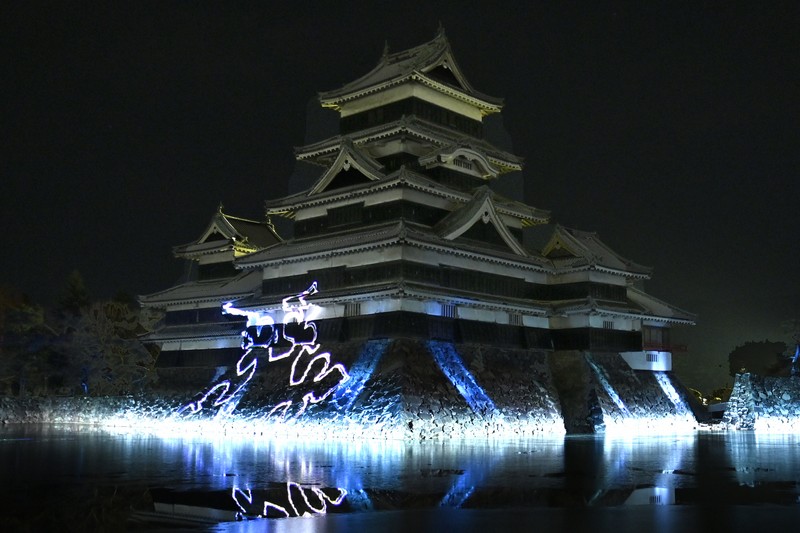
212,290
415,63
585,249
402,178
233,232
388,234
441,137
641,305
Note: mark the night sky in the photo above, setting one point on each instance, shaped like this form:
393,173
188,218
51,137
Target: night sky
671,132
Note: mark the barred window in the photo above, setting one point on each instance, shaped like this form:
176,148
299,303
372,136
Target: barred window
352,309
608,324
449,311
463,163
515,319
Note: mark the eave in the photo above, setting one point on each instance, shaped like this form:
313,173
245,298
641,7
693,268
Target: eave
421,129
599,268
393,234
410,290
591,306
487,105
207,291
286,207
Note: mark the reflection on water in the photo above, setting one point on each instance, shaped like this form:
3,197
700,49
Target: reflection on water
201,481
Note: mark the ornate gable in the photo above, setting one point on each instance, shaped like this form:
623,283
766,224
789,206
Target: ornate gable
218,229
350,167
560,247
480,209
586,247
462,159
435,59
228,233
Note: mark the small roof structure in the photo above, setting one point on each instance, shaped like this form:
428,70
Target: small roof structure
380,236
431,64
210,291
571,249
227,232
348,158
480,209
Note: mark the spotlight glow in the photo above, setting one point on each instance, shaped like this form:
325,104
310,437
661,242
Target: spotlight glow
360,372
446,356
606,384
626,424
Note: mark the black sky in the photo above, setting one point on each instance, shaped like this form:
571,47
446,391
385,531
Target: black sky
673,131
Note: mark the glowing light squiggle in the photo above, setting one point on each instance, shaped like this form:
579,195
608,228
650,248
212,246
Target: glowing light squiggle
300,333
317,504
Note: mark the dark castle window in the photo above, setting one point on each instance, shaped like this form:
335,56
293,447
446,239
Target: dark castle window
216,271
395,161
455,278
655,338
357,214
348,214
454,179
597,339
571,291
411,106
206,315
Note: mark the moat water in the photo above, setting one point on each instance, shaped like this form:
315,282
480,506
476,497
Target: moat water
74,478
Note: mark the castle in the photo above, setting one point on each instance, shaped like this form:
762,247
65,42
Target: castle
408,240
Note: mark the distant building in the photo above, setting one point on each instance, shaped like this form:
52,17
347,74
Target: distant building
406,239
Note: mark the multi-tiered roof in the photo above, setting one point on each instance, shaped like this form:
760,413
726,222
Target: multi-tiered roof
405,236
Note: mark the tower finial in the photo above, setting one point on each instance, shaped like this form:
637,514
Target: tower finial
219,209
440,30
385,49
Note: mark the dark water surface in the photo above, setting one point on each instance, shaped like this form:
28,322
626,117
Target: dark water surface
75,479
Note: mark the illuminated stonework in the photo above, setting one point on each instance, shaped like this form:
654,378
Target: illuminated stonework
764,404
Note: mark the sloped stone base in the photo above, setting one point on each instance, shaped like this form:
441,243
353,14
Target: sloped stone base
764,404
413,389
599,393
408,395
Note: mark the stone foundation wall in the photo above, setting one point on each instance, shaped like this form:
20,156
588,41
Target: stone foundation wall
636,399
764,404
408,395
74,409
575,389
401,388
599,392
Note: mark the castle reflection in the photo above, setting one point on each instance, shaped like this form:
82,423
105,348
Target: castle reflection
249,480
195,481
